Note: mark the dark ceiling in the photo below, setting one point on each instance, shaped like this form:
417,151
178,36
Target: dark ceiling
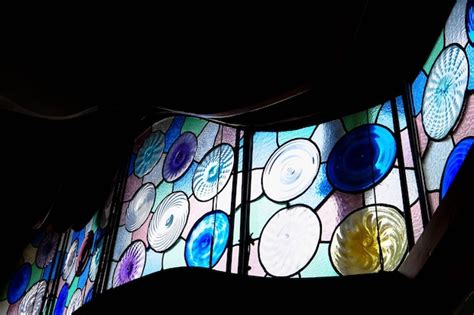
346,56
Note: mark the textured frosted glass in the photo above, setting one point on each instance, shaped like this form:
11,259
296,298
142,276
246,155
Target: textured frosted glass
387,192
433,201
173,132
260,211
385,116
470,59
360,118
156,174
256,268
317,192
320,265
455,28
153,262
163,190
412,186
418,88
438,47
335,209
268,143
226,135
206,140
285,136
194,125
406,148
197,210
466,126
422,138
434,161
402,118
326,135
162,125
122,241
417,221
236,235
175,256
185,183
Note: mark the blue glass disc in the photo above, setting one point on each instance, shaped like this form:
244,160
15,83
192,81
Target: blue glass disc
213,172
18,283
89,295
361,158
470,20
179,157
61,301
455,160
212,228
149,153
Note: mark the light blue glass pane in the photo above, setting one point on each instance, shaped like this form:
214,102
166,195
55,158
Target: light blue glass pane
175,256
285,136
385,116
241,142
241,159
173,132
402,119
124,238
470,60
320,265
417,90
153,262
236,237
264,144
317,192
185,183
260,211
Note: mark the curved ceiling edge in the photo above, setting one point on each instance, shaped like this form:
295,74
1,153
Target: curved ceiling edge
9,105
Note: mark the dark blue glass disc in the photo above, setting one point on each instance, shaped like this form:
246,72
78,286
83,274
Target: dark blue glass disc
470,20
361,158
61,301
18,283
455,160
210,230
179,157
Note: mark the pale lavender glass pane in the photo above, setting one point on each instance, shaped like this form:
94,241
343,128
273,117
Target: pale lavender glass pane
466,125
335,209
416,220
256,268
406,148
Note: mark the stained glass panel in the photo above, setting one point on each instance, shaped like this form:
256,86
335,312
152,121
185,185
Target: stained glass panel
178,213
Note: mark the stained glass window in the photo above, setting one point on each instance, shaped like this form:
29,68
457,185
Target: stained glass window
442,106
338,198
178,200
317,192
26,291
